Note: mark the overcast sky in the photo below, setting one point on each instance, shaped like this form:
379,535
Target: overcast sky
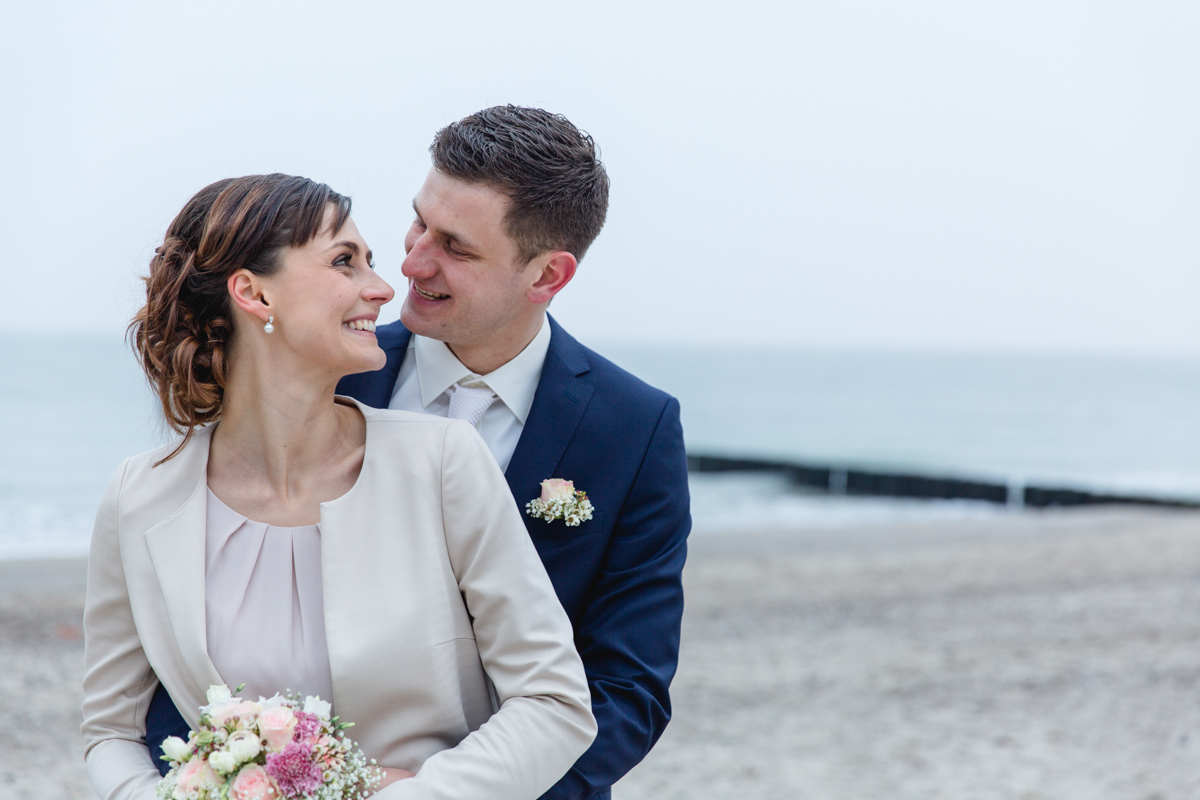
991,175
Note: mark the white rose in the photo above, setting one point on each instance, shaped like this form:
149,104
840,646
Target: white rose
275,701
176,749
315,705
222,761
244,745
218,694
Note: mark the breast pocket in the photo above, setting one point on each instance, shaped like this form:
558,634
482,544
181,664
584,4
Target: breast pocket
558,529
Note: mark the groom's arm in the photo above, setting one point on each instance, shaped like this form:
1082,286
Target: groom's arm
628,634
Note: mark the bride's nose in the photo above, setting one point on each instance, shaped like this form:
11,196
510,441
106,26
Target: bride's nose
378,291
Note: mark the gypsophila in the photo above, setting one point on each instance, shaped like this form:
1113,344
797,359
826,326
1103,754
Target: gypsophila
278,748
560,500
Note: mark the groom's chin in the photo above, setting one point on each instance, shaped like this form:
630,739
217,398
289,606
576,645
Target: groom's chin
417,319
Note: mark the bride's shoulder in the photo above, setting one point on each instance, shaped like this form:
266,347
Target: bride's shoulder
389,422
390,415
411,427
177,450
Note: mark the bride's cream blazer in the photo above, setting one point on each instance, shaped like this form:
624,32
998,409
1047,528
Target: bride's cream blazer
431,588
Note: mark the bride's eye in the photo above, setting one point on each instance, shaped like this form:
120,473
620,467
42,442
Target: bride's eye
372,264
342,260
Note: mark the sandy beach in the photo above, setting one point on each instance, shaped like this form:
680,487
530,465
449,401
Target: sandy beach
1026,656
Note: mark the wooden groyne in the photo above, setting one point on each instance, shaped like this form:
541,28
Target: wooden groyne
866,483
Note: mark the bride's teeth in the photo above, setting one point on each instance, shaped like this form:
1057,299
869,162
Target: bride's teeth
361,325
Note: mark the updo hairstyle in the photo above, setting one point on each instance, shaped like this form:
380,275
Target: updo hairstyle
182,334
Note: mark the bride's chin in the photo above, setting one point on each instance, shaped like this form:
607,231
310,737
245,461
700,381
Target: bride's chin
367,363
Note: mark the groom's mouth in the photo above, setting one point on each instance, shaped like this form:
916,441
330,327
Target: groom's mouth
427,295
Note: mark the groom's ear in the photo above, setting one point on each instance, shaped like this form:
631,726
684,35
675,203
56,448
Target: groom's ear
558,268
246,293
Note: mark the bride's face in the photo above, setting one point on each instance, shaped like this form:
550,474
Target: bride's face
325,299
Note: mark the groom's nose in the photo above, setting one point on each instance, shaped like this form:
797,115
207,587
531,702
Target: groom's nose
419,263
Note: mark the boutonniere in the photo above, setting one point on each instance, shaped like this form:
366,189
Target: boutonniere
559,500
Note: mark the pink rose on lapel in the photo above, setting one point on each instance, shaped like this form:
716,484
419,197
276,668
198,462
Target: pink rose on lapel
554,488
276,726
560,500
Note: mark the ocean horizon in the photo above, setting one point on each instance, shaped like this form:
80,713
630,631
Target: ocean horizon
72,407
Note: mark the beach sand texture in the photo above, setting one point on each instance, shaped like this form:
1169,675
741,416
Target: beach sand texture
1037,655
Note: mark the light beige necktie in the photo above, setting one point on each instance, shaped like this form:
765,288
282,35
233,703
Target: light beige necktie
469,399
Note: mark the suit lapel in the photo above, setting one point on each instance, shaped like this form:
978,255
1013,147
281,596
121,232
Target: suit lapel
562,397
177,550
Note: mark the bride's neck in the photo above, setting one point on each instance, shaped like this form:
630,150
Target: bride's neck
282,425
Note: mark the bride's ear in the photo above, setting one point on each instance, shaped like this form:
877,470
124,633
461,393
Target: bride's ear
246,292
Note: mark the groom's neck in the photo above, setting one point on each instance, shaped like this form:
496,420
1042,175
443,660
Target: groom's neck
490,352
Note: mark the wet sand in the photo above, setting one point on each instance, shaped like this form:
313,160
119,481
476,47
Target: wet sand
1038,655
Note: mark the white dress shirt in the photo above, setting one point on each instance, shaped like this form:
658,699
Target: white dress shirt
430,368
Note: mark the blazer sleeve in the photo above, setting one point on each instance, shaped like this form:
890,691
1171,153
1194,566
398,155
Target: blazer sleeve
629,631
524,638
118,682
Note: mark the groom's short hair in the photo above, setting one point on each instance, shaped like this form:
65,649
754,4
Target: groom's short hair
548,168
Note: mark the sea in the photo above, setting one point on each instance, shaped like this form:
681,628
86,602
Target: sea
72,407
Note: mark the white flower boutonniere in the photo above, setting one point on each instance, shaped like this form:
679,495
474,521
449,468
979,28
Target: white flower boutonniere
559,500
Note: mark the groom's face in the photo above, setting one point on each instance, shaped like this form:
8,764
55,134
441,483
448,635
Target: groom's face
467,285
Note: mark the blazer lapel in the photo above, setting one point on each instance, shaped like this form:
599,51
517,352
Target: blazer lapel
562,397
177,550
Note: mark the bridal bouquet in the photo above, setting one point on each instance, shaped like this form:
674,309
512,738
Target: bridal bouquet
267,750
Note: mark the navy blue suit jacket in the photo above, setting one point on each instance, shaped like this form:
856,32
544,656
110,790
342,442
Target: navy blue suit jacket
619,574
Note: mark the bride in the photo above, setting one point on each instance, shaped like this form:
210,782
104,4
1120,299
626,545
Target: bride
296,540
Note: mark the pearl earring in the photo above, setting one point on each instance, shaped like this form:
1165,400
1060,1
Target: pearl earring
270,326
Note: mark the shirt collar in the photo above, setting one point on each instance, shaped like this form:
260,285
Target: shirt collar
515,383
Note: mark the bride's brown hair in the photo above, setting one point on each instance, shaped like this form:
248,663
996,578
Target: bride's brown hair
182,334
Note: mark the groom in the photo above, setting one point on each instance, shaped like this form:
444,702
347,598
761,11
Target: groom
514,199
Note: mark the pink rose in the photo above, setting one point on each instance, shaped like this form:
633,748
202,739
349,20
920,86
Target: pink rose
243,710
554,488
253,783
276,726
193,775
